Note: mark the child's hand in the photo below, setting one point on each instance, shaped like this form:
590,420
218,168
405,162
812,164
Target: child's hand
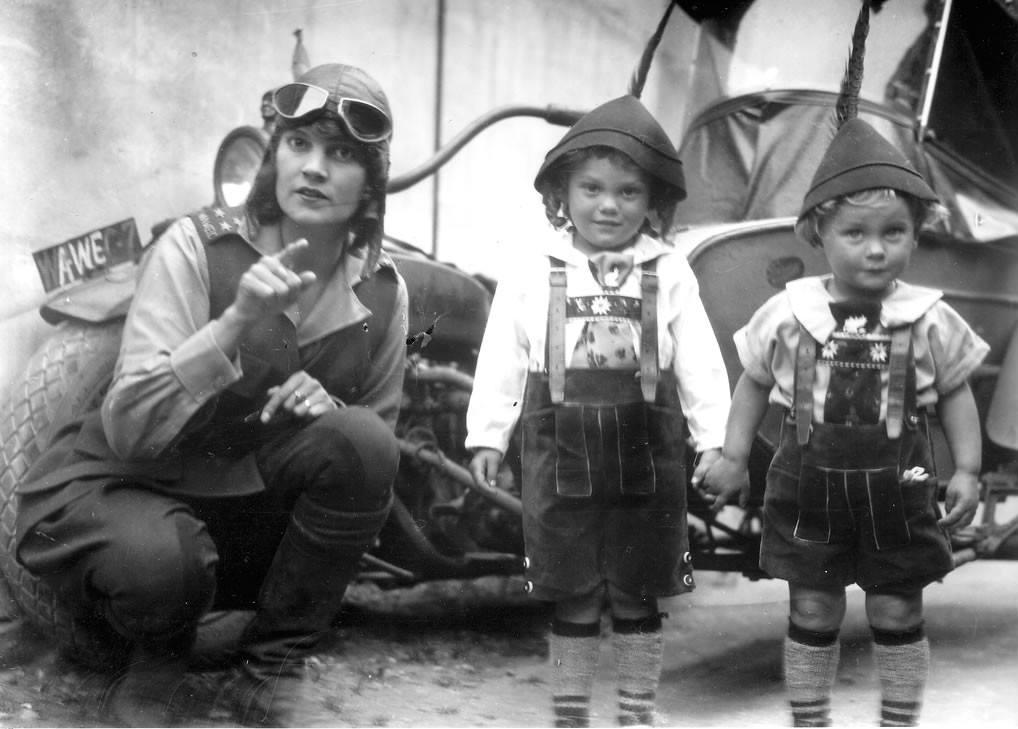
961,501
724,479
484,467
704,461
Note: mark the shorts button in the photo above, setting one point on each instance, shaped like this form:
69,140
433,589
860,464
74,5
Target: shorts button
528,587
687,580
526,563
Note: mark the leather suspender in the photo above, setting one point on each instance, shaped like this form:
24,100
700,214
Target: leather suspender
897,364
897,386
556,350
648,331
557,331
805,373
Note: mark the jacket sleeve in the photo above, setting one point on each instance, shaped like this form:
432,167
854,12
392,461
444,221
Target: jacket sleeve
170,364
383,388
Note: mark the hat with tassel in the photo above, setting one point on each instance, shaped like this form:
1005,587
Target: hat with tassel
859,158
625,124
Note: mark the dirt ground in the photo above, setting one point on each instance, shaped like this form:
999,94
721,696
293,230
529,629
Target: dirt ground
475,654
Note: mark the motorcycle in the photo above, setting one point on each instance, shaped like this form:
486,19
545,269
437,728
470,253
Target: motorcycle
445,526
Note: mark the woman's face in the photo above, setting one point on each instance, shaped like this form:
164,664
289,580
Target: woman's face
608,204
319,180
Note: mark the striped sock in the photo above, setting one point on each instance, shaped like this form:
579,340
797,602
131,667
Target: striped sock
573,649
811,665
903,663
639,648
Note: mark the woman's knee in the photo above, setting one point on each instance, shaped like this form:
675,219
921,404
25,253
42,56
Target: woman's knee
358,455
155,577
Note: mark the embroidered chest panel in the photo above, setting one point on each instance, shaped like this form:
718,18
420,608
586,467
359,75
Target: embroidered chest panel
853,347
603,306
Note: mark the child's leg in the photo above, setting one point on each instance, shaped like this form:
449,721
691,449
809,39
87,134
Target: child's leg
902,652
812,651
639,648
573,646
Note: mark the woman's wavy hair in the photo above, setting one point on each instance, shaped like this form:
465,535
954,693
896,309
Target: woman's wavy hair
926,214
554,190
366,223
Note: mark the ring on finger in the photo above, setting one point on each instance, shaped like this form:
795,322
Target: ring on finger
298,397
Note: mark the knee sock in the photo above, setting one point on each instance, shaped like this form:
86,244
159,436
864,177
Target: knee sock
811,665
574,649
639,648
903,663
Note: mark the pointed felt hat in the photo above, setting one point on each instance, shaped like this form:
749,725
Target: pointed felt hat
626,125
859,158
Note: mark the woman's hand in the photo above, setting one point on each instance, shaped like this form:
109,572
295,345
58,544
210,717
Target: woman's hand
484,467
302,396
271,285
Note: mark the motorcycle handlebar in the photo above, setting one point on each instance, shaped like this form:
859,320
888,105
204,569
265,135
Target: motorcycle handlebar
557,115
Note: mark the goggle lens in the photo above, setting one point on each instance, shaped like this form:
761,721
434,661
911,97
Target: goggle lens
296,100
366,122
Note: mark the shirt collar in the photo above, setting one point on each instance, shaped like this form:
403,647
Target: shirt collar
809,299
560,245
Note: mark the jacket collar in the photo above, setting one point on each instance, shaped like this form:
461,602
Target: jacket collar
338,306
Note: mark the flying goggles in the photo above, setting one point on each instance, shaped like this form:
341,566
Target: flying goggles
365,121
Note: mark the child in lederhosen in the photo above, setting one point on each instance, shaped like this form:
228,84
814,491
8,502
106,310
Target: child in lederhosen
855,357
600,343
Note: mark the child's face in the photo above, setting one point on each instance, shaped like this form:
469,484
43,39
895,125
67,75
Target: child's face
608,204
868,247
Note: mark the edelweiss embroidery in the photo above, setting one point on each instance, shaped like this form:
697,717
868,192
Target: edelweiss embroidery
604,306
855,324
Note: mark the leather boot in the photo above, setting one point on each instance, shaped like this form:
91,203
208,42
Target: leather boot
150,690
301,596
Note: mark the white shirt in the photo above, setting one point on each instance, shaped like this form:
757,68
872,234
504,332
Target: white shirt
945,348
514,340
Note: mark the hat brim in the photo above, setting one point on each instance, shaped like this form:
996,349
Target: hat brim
868,177
668,168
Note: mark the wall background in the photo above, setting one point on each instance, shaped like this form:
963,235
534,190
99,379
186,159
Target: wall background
115,109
